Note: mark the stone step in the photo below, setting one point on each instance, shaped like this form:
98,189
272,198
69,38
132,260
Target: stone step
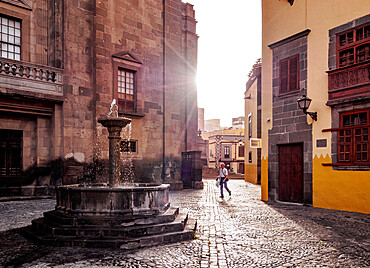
109,242
55,218
110,231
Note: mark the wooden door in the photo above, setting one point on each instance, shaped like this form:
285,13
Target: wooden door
291,173
186,169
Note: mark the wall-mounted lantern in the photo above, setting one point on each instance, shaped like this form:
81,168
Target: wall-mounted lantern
304,104
291,2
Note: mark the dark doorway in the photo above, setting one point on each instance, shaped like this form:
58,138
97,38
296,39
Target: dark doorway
291,173
191,168
241,168
10,152
186,169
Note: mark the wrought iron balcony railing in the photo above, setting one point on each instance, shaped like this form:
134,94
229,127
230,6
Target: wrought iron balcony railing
31,78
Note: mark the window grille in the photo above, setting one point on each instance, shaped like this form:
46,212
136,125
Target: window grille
353,137
10,152
129,146
353,46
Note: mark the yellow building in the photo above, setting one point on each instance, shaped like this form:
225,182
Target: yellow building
252,99
320,49
226,146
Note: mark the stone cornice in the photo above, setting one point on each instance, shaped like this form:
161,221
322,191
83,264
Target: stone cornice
289,39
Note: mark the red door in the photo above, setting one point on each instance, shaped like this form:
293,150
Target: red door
291,173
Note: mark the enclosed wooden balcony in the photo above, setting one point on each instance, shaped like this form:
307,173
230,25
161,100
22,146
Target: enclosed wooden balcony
25,78
348,83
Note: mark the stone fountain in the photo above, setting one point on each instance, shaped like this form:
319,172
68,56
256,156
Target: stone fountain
126,216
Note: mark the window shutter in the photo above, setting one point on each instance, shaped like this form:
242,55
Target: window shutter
283,76
293,74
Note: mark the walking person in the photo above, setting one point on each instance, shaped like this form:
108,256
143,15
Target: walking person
224,177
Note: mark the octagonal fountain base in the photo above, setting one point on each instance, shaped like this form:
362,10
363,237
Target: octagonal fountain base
133,216
129,200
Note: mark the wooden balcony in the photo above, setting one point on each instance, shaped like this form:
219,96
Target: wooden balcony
348,83
25,78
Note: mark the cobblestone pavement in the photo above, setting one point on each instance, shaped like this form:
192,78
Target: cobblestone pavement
238,231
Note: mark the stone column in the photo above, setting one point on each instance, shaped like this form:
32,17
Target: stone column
114,126
114,155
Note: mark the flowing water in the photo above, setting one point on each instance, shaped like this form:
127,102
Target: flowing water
127,171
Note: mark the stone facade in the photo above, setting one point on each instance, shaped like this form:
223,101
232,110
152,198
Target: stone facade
84,43
289,123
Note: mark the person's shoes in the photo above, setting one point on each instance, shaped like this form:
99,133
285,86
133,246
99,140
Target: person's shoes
230,193
221,196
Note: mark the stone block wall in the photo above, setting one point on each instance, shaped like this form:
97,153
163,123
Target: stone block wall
82,37
161,78
288,121
191,54
79,78
39,32
139,32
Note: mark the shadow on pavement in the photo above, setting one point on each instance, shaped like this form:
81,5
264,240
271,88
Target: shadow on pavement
349,231
16,250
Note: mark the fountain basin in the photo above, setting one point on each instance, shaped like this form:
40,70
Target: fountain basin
130,200
111,121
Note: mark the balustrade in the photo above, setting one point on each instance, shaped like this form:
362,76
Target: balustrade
27,76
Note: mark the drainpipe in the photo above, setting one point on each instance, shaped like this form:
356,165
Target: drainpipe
95,135
164,87
186,83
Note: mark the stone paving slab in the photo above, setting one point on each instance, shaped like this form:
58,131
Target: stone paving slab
237,231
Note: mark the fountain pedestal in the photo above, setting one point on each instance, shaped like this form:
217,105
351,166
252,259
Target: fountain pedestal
114,126
124,216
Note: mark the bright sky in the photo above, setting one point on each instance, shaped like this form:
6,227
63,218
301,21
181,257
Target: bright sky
229,44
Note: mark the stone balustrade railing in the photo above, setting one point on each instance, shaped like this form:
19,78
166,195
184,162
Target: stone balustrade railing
20,75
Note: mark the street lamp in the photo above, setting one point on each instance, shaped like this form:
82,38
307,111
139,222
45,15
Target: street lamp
304,104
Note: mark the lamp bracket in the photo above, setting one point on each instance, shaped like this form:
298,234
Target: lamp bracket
312,114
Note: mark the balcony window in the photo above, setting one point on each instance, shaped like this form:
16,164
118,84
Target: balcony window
241,151
353,137
227,152
126,90
354,46
10,38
